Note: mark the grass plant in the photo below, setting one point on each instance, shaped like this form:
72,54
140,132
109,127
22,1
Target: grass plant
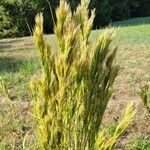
76,82
145,96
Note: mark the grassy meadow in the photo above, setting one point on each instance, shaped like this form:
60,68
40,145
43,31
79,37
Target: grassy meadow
18,63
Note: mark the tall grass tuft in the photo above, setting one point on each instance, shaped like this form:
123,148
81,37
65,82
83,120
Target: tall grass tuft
145,96
76,82
4,89
106,142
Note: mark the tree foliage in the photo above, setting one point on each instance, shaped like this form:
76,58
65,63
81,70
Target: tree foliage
6,26
22,12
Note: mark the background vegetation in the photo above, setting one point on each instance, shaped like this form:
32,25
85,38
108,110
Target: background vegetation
22,13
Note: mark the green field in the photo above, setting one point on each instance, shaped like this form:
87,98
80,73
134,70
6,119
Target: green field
18,63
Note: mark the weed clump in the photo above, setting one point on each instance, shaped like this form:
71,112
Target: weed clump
145,96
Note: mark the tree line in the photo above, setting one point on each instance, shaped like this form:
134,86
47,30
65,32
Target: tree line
17,16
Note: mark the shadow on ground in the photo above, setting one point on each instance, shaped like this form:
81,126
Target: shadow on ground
10,64
17,43
7,43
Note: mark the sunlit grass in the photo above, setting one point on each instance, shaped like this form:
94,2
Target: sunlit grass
18,62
